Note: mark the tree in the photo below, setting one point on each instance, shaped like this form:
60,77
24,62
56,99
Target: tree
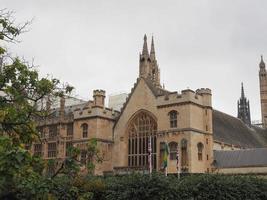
21,90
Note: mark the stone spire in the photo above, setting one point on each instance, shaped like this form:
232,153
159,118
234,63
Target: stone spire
148,67
242,91
262,64
145,49
152,50
244,108
144,61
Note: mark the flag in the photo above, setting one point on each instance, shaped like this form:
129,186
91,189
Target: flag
165,155
150,155
177,158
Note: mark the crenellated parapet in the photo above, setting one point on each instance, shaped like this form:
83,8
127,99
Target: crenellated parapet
99,97
95,108
90,112
201,97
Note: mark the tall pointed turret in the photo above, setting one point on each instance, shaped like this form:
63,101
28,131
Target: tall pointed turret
263,91
262,64
152,50
144,61
148,66
155,72
244,108
145,48
242,91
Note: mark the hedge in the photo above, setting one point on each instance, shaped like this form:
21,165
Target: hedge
155,187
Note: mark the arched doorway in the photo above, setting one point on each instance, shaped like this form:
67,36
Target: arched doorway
141,127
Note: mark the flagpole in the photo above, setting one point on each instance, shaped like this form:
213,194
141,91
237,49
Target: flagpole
166,168
150,155
178,163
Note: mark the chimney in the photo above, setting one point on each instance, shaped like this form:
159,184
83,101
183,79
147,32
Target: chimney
99,98
62,107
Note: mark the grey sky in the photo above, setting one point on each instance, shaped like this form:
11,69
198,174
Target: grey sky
95,43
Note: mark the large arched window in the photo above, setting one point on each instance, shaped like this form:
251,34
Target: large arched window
200,147
173,150
141,128
84,127
184,159
173,118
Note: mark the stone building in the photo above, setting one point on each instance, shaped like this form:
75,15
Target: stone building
263,92
186,121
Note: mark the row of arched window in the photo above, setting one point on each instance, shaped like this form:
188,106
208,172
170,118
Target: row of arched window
172,118
174,145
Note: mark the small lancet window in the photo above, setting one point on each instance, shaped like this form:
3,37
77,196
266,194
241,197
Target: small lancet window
173,118
84,130
200,147
173,150
184,159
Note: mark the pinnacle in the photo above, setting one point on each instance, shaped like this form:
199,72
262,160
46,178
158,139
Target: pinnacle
145,49
242,91
262,64
152,50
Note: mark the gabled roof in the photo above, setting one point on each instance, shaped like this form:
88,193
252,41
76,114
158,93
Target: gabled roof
155,90
231,130
241,158
68,109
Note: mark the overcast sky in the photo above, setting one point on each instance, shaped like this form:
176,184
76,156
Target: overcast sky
95,44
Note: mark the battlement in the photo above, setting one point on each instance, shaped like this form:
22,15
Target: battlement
95,111
203,91
99,97
201,97
99,93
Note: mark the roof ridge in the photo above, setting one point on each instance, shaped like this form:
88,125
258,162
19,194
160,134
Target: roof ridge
127,100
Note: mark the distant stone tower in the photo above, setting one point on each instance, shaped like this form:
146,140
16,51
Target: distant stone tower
263,92
244,108
148,66
155,73
144,61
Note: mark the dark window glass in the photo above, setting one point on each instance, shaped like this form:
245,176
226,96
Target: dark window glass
52,149
173,119
85,130
200,147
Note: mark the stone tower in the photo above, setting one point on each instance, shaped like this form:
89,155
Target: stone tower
244,108
148,66
155,73
263,92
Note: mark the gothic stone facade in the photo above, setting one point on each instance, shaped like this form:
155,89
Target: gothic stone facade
183,120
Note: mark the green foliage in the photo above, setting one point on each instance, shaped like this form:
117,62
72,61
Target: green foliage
8,31
138,186
92,155
222,187
19,171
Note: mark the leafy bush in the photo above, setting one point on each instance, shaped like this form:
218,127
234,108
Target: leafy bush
221,187
138,187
